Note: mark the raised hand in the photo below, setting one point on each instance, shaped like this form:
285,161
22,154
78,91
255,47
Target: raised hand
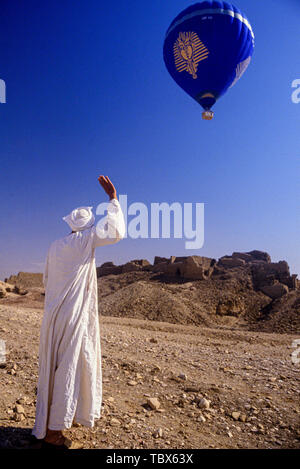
108,186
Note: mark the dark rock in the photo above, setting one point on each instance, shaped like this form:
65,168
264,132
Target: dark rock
159,260
159,266
242,255
114,270
275,291
173,268
168,268
260,256
268,273
107,264
231,262
131,267
20,291
141,262
218,270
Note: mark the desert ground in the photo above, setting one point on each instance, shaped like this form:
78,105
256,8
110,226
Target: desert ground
173,376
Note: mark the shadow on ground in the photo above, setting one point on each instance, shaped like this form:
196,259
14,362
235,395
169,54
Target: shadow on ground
17,438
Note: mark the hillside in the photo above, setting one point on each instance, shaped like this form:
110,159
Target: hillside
245,291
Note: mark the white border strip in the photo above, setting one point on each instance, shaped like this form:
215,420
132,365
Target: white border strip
211,11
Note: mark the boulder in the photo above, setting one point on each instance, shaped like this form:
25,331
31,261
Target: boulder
6,288
20,290
153,402
275,291
9,287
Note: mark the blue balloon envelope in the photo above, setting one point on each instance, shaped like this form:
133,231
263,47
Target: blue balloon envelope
207,48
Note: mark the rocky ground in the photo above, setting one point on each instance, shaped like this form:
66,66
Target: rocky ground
164,385
196,354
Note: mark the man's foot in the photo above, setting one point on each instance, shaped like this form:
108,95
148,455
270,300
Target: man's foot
54,437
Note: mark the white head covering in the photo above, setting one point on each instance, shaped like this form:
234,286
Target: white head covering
80,219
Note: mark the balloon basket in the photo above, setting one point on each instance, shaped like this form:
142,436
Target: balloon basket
207,115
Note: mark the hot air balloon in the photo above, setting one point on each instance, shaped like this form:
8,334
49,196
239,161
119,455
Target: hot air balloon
207,48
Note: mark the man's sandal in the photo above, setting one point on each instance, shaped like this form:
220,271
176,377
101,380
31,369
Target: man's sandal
63,446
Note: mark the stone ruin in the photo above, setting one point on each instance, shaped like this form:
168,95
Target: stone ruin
271,278
190,267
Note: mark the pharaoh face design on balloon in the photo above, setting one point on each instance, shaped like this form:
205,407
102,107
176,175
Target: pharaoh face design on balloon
188,52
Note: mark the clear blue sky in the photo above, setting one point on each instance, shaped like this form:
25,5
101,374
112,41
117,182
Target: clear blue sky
88,93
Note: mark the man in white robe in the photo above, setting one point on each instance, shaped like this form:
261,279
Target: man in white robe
70,375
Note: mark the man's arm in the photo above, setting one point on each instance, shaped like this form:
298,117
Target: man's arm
110,229
108,187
